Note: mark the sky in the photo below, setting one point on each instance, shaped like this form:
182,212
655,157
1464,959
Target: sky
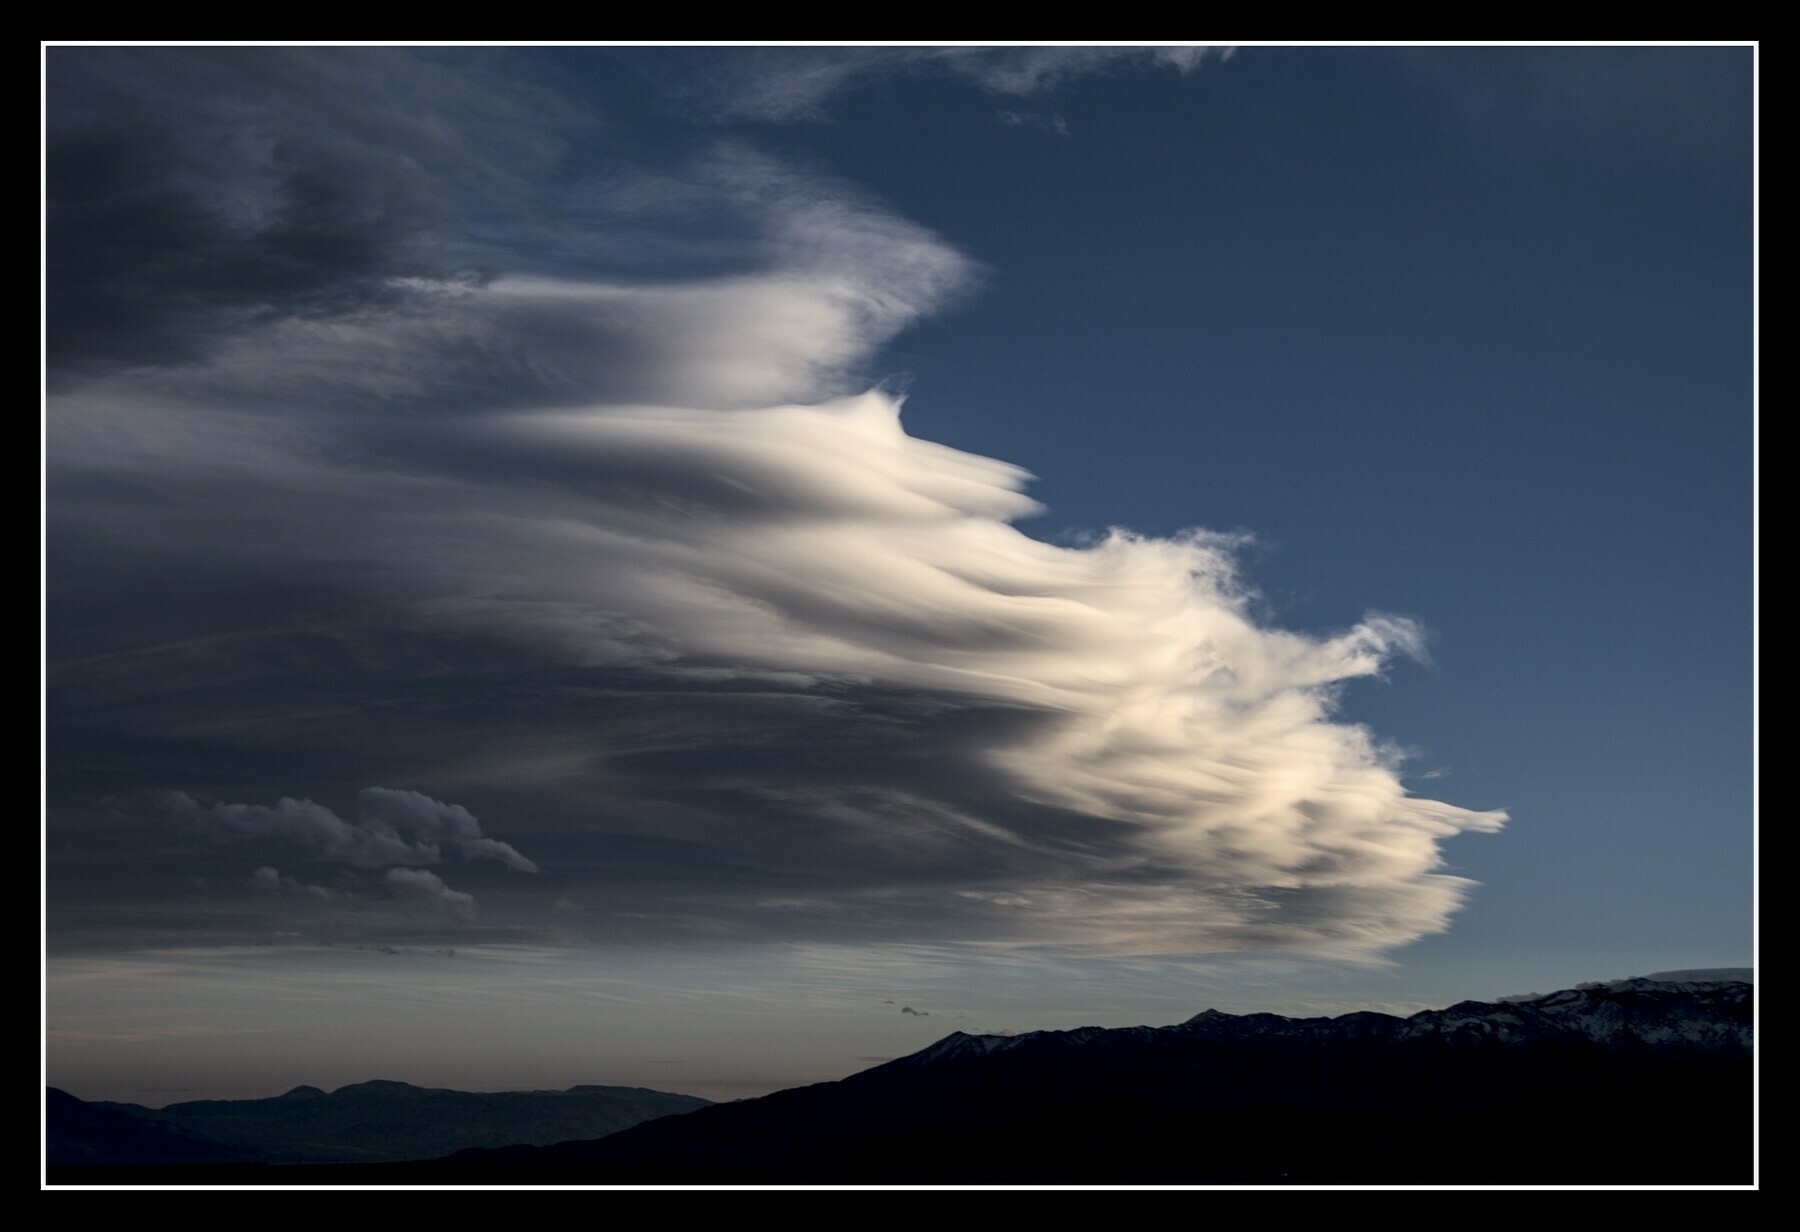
710,568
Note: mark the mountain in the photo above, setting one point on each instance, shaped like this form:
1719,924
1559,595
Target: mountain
1634,1082
365,1122
78,1133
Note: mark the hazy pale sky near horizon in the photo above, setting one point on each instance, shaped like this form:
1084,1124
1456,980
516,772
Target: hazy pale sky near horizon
707,568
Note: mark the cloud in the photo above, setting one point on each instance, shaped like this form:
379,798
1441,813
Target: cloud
449,824
785,85
907,1009
801,638
1050,121
1024,71
623,553
266,880
393,827
416,884
194,195
825,277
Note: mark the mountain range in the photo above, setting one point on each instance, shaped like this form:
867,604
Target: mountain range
1643,1081
366,1122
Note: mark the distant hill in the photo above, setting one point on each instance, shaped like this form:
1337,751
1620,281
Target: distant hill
80,1133
365,1122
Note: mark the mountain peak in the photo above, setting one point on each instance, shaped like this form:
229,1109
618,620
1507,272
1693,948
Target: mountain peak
378,1086
302,1092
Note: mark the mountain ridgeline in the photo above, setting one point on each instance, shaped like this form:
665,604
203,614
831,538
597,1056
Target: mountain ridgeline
364,1122
1646,1081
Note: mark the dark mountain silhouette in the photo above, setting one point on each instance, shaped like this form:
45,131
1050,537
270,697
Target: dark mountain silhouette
1638,1081
369,1121
80,1133
1634,1082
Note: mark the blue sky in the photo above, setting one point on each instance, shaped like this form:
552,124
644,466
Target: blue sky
480,442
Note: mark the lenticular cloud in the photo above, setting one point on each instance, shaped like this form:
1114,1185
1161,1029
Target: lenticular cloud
800,668
1168,778
743,657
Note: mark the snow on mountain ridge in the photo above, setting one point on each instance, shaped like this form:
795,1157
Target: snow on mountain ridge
1712,1015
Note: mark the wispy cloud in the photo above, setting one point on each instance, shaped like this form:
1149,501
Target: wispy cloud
785,85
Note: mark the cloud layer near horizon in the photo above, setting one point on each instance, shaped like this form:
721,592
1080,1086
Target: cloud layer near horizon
621,555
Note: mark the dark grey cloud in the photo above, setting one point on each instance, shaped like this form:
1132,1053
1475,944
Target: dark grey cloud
193,195
384,229
907,1009
267,880
451,825
419,885
392,828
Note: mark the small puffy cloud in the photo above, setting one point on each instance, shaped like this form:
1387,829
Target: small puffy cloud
907,1009
1049,121
393,827
420,885
266,880
317,829
449,824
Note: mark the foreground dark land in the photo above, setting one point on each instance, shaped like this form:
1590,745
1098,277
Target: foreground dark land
1640,1083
